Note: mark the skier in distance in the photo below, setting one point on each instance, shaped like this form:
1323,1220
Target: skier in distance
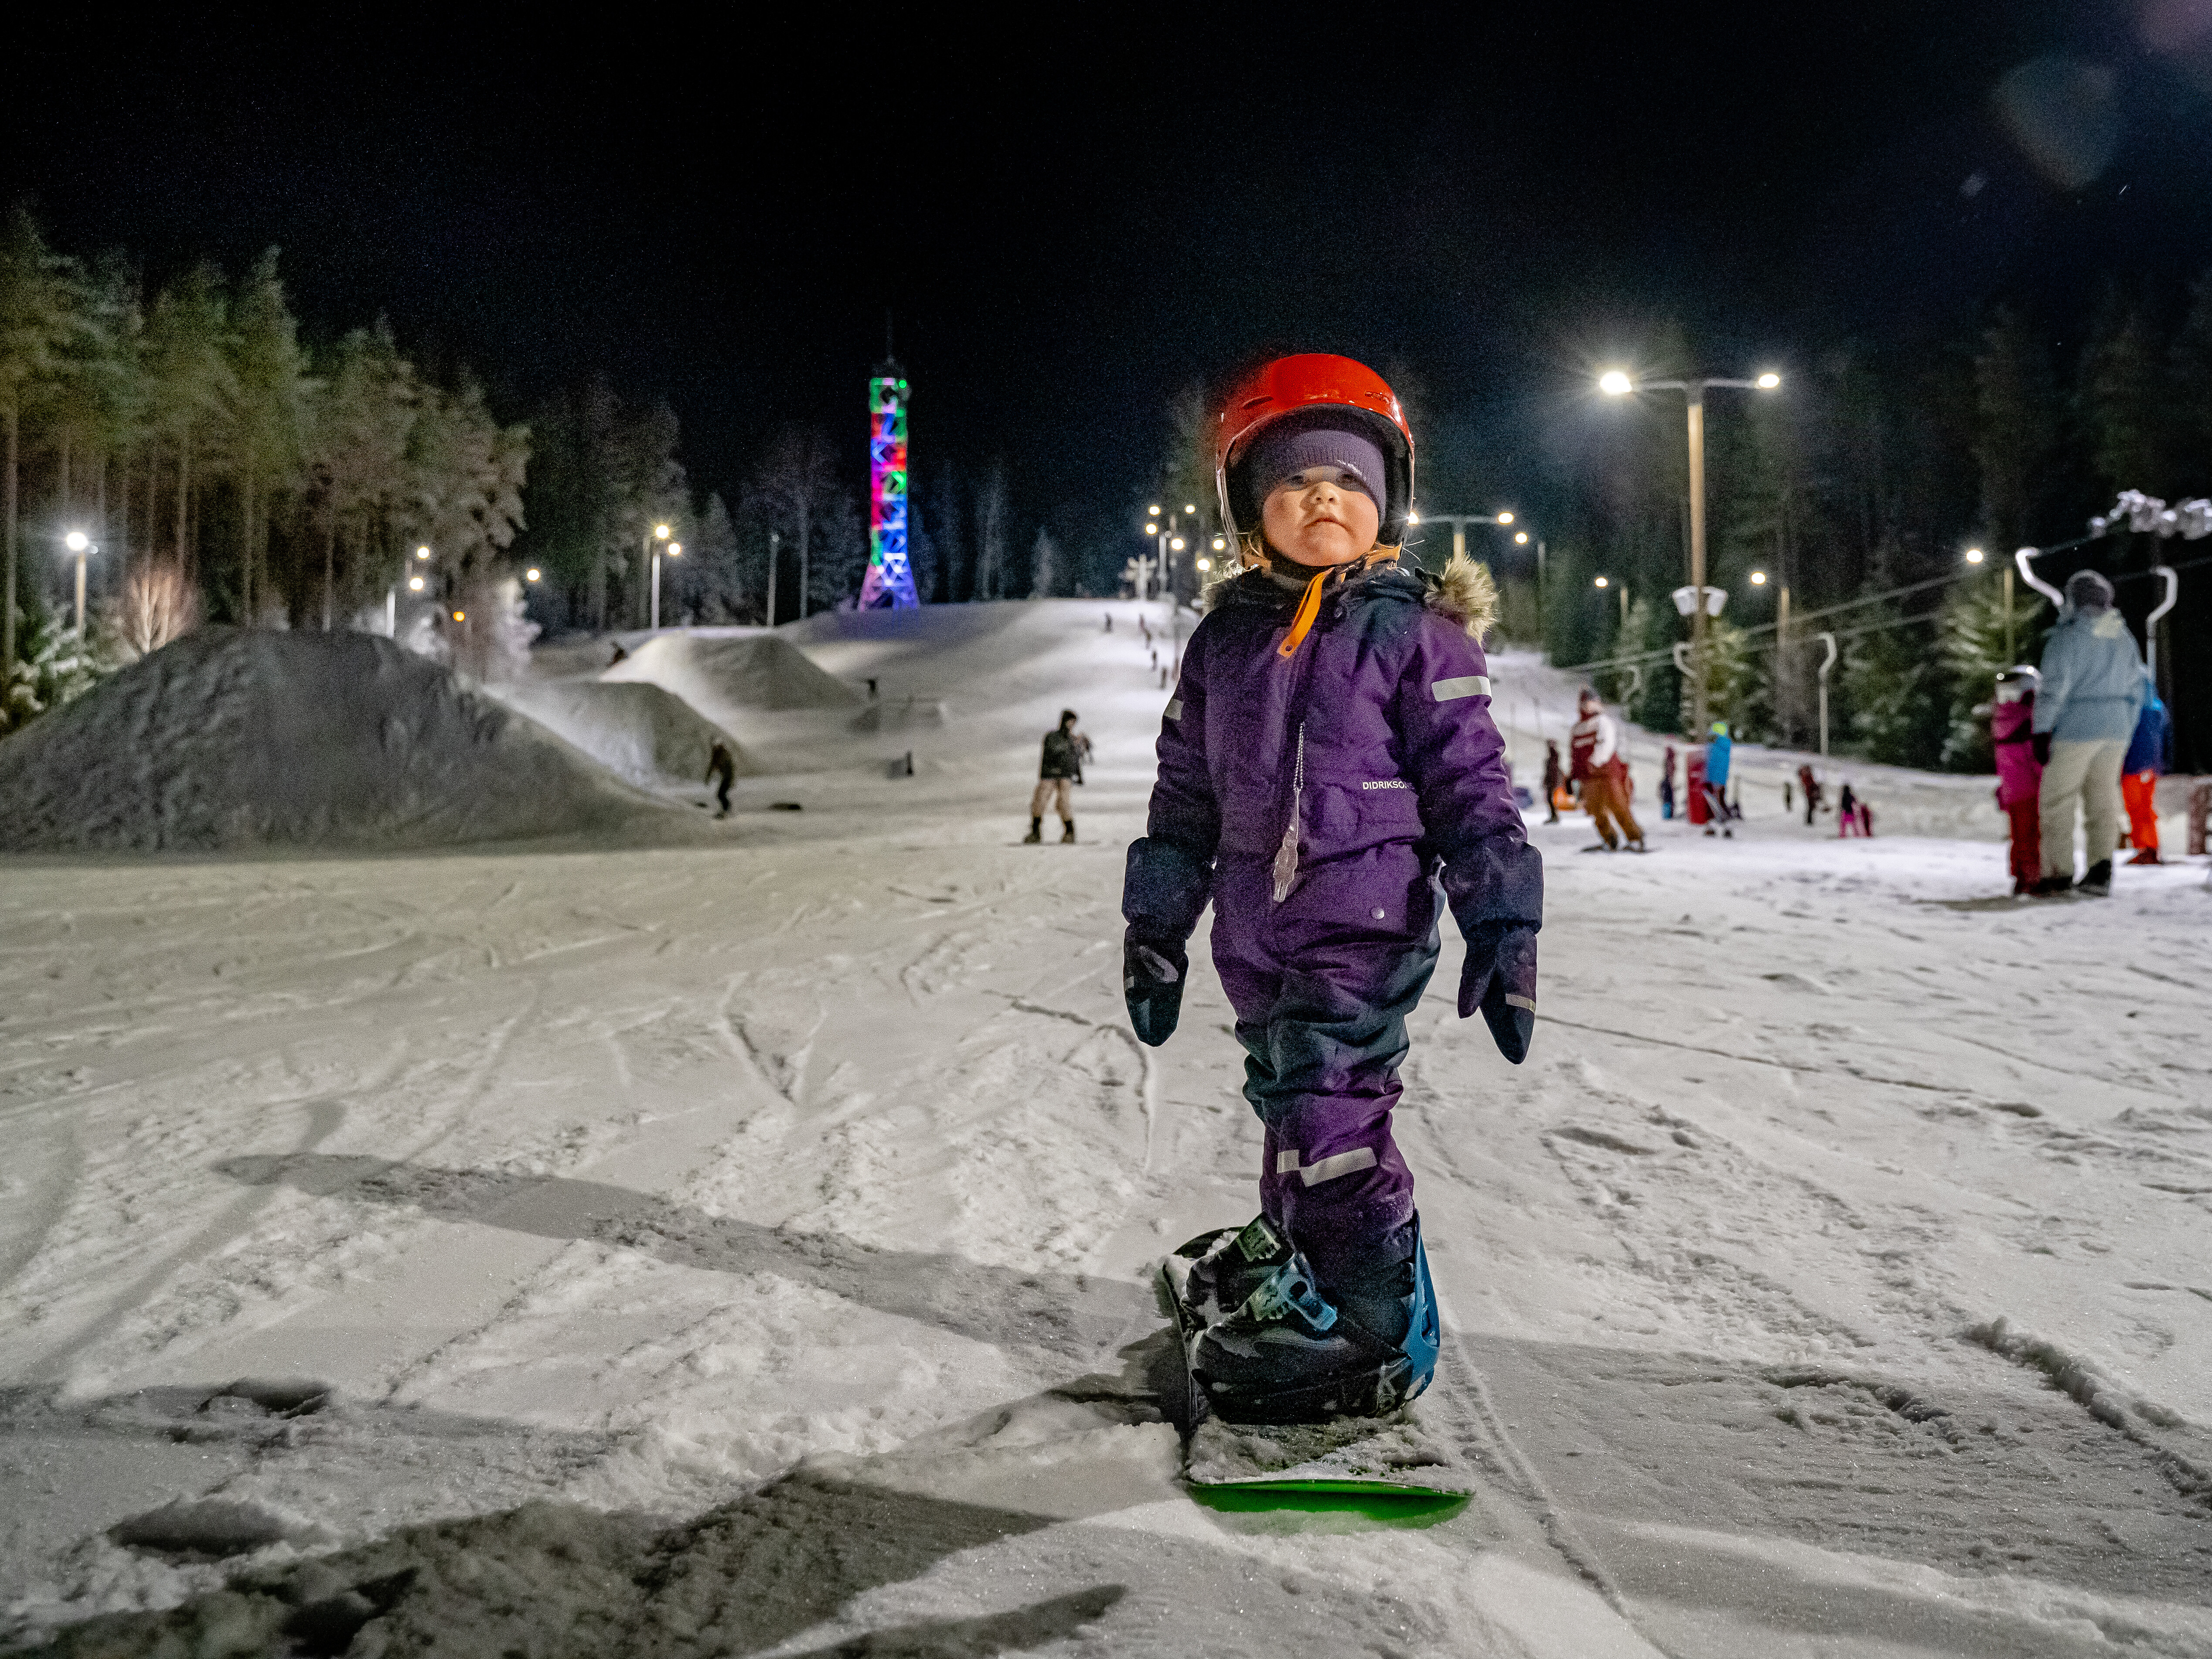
1330,778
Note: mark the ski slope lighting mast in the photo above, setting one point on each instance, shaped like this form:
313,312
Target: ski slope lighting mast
889,583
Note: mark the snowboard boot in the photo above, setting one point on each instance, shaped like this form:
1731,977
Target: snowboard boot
1067,832
2149,856
1036,834
2052,887
2097,882
1287,1353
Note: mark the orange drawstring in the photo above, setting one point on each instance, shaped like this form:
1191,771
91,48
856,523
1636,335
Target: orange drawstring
1301,624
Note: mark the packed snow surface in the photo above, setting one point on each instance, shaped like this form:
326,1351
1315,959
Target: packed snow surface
745,1248
228,739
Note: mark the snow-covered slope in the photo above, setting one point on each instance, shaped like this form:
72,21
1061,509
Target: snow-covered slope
634,728
744,1248
229,739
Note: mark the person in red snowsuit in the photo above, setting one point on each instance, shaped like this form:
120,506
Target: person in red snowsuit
2019,775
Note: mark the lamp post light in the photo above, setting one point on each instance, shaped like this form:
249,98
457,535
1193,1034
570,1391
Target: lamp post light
1167,531
1618,383
647,551
84,547
675,551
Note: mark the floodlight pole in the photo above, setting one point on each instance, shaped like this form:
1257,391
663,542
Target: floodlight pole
1826,663
1693,393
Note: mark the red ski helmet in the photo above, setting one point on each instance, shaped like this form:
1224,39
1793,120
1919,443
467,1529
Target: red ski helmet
1292,386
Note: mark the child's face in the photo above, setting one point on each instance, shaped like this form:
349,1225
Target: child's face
1316,517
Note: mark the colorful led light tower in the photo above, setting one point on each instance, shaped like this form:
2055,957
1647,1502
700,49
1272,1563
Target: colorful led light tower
889,584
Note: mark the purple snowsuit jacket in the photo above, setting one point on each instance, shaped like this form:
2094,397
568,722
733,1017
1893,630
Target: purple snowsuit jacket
1405,804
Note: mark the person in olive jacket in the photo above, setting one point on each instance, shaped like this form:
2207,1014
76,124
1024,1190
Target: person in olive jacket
1065,749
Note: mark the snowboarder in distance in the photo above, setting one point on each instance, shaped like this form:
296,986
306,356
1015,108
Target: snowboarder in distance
1330,779
2146,759
1717,753
1595,745
2093,689
1667,784
1065,749
1809,787
723,765
2019,775
1555,777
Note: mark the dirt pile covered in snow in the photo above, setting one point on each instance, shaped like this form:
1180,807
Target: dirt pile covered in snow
633,728
232,739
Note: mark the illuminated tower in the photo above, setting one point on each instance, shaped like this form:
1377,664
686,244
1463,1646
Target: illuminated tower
889,584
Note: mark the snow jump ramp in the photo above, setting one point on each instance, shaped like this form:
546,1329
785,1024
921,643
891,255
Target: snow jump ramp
728,677
635,729
231,739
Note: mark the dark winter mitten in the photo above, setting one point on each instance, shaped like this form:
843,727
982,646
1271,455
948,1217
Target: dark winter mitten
2040,743
1152,975
1500,979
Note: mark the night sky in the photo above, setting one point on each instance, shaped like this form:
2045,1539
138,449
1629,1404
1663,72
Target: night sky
1078,210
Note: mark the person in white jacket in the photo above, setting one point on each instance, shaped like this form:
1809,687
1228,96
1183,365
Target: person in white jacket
1595,745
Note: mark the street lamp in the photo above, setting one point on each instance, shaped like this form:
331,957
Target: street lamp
675,551
531,574
414,584
83,546
647,551
1759,579
1617,383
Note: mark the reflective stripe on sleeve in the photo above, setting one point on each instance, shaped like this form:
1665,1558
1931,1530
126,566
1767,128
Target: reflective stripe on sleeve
1175,709
1343,1164
1466,685
1530,1002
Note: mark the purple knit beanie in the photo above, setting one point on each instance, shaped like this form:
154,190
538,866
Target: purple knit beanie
1294,445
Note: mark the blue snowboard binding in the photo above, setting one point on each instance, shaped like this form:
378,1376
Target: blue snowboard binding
1263,1343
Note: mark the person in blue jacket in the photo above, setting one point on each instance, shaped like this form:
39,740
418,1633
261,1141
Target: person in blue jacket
1718,755
2093,689
2139,780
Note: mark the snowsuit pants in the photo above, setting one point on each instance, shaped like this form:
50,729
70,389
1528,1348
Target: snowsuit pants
2139,791
1321,985
2026,843
1608,808
2088,773
1048,790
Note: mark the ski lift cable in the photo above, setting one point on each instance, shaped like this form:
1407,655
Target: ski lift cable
1662,654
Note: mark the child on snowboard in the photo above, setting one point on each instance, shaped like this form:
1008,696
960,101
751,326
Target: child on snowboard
1330,778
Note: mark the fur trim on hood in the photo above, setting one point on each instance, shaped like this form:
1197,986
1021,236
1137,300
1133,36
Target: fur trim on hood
1465,592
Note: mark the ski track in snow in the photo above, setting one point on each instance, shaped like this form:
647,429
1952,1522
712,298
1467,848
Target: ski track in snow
1831,1279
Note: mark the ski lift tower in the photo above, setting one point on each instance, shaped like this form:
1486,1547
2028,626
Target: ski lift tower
889,583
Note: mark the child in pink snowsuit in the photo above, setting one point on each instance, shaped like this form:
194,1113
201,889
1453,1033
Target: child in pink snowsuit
2019,775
